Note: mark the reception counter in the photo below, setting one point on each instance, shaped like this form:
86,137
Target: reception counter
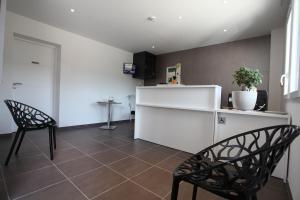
189,118
177,116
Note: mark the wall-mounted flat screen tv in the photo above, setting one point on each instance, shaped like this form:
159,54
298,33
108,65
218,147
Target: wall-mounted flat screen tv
129,68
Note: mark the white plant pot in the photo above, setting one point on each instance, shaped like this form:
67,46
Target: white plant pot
244,100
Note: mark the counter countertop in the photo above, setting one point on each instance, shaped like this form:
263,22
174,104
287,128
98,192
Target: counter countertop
176,107
255,113
178,86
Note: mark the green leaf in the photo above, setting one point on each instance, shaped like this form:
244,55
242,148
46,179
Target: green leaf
247,77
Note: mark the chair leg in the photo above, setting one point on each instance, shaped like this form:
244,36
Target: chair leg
254,197
175,188
54,136
20,142
195,192
251,197
51,142
12,146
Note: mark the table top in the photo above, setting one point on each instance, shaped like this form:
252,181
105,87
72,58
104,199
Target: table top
109,102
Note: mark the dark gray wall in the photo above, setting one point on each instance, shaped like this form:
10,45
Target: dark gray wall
215,64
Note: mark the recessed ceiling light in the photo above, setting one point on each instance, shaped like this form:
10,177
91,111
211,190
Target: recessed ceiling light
225,30
153,46
180,17
225,1
72,10
151,18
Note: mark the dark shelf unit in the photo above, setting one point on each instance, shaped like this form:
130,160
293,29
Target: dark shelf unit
145,65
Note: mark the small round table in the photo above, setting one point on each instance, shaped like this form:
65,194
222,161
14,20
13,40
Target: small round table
108,103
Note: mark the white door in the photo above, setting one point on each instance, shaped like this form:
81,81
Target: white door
32,68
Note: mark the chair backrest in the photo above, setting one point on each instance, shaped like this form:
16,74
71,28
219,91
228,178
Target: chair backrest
280,139
255,154
26,116
131,102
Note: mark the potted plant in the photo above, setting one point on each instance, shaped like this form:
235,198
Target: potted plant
248,79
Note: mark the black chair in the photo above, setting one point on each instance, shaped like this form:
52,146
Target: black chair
131,100
238,167
28,118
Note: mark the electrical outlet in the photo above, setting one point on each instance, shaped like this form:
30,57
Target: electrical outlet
221,120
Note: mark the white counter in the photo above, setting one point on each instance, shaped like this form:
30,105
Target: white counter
197,96
187,118
177,116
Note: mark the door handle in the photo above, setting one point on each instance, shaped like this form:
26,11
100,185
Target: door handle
282,79
17,84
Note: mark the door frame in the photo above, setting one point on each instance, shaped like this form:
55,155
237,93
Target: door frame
56,70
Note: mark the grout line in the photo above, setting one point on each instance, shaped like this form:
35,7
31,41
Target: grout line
168,194
157,195
147,149
121,176
66,177
118,160
60,150
71,182
109,189
117,138
151,166
27,172
12,160
72,146
64,162
83,173
94,169
118,149
156,164
104,165
40,189
4,183
90,156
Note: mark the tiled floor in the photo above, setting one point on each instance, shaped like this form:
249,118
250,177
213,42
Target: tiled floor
90,163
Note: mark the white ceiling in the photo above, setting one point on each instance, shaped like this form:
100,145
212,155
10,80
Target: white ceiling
124,24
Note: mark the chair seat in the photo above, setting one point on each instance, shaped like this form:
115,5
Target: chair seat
225,180
40,126
132,112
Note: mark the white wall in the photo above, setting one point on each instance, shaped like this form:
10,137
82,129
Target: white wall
2,26
276,68
293,107
90,71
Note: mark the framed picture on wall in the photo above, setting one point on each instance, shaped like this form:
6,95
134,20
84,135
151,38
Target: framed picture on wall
173,74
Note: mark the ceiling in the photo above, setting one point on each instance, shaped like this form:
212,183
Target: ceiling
124,24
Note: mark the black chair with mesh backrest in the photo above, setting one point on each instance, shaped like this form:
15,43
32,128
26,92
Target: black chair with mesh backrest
238,167
131,103
28,118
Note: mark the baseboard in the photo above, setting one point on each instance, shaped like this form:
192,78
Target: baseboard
290,196
77,126
90,125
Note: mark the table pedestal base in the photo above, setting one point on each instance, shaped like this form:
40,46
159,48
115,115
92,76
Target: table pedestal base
108,127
